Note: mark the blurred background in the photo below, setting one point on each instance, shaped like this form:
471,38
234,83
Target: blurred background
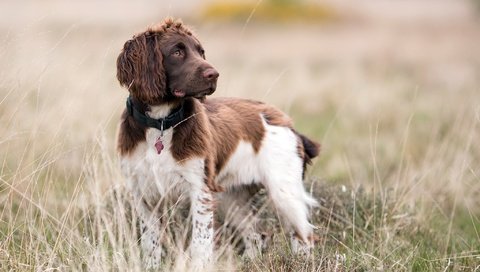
391,88
370,59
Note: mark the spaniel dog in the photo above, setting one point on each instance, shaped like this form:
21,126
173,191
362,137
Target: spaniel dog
174,141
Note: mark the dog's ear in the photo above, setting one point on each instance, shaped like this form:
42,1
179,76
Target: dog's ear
140,68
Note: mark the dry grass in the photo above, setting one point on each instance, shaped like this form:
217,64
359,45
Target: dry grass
393,97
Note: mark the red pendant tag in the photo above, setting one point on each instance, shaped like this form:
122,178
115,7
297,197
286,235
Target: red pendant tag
159,145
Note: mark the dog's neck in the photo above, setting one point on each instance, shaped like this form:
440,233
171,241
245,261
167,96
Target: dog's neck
161,111
160,117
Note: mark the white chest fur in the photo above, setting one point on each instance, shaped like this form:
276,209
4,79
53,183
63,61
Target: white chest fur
154,175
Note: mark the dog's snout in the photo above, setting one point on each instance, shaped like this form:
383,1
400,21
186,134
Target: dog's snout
210,74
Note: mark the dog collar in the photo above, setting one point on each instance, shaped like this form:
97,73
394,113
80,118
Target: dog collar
161,124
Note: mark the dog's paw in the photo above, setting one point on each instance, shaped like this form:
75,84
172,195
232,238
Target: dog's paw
301,247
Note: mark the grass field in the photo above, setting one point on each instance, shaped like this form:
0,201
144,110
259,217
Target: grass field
390,89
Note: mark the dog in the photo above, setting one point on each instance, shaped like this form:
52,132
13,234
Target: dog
174,141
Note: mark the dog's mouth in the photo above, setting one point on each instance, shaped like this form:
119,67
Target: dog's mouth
178,93
197,94
204,93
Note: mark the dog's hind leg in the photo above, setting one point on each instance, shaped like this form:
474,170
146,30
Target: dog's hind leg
237,210
283,180
292,204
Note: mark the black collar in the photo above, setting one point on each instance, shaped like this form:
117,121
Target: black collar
162,124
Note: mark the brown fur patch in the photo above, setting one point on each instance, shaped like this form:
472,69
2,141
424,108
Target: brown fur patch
213,130
234,119
131,133
231,123
191,137
171,25
140,68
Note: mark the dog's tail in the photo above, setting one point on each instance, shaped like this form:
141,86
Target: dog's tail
310,147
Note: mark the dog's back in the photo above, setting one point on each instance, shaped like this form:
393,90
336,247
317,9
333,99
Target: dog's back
235,119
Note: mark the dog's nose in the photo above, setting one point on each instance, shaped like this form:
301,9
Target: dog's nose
210,74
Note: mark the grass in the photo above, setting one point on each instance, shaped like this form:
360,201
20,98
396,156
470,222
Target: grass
391,208
397,178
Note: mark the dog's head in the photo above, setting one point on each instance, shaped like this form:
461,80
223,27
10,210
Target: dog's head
165,63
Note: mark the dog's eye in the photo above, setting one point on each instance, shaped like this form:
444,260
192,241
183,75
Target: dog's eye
177,53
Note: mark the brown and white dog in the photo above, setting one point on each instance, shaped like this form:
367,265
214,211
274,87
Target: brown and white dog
174,141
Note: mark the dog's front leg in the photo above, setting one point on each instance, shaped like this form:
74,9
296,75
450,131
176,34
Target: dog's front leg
201,248
150,227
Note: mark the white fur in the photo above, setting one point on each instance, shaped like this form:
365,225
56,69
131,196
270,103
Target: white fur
151,176
277,166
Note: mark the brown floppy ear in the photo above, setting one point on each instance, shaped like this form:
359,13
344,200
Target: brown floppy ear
140,68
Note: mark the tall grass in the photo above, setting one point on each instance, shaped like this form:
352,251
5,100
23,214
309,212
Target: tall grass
403,195
398,176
